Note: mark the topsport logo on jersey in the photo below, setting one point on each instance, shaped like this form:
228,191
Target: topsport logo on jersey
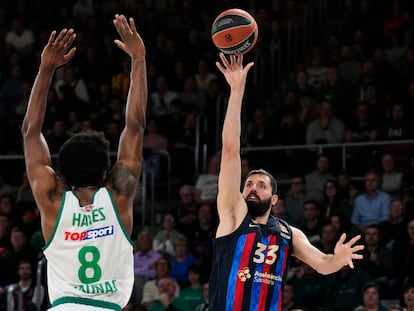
89,234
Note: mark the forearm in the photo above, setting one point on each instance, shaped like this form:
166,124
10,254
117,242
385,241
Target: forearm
232,123
33,120
329,264
137,96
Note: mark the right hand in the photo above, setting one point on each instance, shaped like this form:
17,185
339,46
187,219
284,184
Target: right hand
131,42
234,72
55,53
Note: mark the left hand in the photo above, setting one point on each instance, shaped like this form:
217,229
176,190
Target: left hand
346,252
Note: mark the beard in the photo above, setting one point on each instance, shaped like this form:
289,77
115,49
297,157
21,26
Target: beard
257,209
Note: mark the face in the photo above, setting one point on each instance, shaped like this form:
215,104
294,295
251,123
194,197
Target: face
168,222
322,164
144,242
328,233
371,182
25,271
257,193
372,236
330,189
18,240
166,286
161,267
409,296
396,210
310,211
297,185
387,163
180,248
205,291
371,297
186,195
335,222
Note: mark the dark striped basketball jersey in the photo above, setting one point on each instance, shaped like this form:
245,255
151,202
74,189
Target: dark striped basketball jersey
250,266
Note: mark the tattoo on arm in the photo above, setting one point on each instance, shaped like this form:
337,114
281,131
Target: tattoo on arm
122,180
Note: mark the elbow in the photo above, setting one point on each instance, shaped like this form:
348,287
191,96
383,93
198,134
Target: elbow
24,130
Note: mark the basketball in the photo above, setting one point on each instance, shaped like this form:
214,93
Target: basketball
234,32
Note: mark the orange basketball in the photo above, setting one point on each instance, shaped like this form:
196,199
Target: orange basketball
234,32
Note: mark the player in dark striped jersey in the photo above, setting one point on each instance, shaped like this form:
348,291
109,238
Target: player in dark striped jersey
251,248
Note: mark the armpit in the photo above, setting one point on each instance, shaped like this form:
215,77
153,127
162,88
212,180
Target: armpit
122,180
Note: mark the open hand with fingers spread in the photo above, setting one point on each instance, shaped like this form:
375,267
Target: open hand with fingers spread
55,53
345,252
131,42
233,71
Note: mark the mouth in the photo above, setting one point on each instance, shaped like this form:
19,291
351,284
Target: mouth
253,197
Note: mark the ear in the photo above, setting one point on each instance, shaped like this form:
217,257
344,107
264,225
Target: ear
274,199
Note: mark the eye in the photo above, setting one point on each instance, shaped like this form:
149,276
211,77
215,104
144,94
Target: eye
262,186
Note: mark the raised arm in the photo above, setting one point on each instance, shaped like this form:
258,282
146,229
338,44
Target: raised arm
230,204
41,176
124,176
343,255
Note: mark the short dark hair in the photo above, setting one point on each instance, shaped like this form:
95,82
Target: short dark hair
83,160
261,171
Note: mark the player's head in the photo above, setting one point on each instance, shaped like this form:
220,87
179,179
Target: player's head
259,192
83,160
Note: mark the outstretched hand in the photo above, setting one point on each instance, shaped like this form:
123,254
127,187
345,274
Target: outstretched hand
131,42
346,252
55,53
233,71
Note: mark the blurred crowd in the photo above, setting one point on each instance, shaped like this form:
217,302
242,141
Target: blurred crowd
355,84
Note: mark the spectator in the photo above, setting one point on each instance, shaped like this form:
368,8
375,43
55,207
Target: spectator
192,97
329,237
344,289
160,100
393,229
398,126
288,298
32,295
206,186
72,89
279,209
346,189
312,226
152,291
204,306
377,259
294,199
182,261
185,210
327,129
20,38
404,253
372,206
166,238
144,261
407,299
371,298
315,181
309,287
204,75
166,299
391,178
333,200
9,261
192,295
317,71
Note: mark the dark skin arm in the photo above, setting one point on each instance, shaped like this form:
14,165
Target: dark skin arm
124,176
46,186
